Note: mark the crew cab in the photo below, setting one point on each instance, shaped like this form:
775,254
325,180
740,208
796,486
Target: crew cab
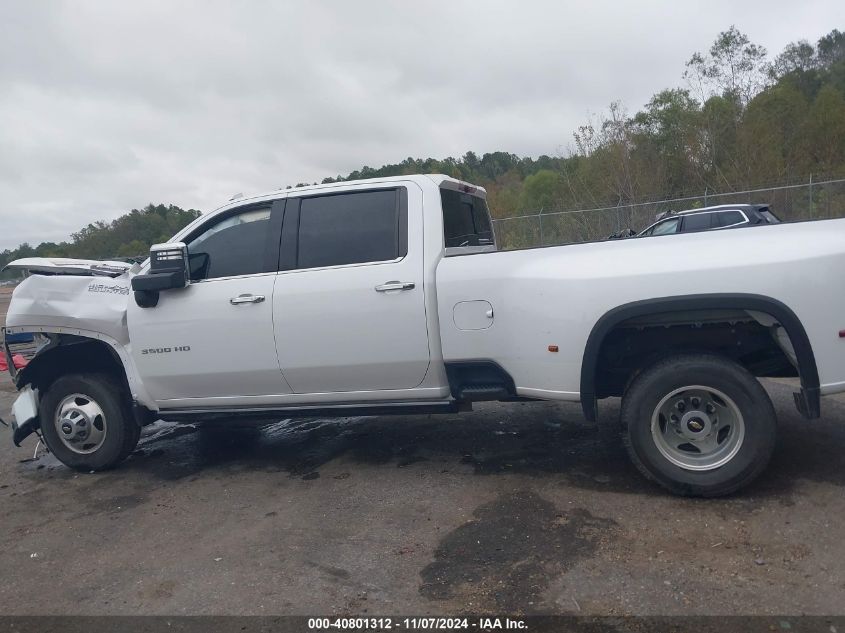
389,296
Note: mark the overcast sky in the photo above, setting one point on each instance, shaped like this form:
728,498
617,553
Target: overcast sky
107,106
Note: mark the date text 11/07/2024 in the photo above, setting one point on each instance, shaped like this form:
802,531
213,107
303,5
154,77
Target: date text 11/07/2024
432,623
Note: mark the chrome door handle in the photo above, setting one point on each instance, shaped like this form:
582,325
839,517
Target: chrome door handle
395,285
246,299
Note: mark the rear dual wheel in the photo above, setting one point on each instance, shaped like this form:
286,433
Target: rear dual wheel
699,425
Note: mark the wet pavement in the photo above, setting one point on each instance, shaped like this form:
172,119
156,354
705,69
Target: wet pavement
513,508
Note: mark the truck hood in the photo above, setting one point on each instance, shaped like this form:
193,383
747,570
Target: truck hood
66,266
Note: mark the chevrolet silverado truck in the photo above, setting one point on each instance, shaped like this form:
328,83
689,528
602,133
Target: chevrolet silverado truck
389,296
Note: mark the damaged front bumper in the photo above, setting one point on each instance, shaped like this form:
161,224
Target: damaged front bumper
25,415
7,351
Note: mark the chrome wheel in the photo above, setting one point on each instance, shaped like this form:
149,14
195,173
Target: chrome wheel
697,428
80,423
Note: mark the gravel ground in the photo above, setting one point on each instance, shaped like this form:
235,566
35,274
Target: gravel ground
517,508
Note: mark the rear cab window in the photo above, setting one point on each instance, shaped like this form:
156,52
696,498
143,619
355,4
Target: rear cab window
466,222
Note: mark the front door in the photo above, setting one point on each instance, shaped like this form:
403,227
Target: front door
211,343
349,311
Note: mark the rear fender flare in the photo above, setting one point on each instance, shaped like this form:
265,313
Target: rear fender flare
807,401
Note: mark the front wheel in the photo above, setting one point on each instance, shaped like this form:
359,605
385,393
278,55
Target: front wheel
86,422
698,425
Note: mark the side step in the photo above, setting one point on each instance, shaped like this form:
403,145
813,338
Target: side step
476,380
476,393
273,414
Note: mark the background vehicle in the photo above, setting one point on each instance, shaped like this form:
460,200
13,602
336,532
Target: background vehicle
726,216
389,296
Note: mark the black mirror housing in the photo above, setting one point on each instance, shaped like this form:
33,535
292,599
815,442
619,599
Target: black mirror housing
168,270
159,281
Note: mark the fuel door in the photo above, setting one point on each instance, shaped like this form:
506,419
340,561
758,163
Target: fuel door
473,315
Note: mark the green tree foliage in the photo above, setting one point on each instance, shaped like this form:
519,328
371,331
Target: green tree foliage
541,190
825,130
129,236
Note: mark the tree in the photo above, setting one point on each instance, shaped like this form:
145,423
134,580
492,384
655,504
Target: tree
541,192
770,137
734,68
667,134
824,133
831,48
135,248
797,57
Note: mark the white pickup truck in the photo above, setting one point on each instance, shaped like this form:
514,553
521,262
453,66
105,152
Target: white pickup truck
389,296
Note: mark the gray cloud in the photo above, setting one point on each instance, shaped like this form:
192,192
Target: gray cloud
108,106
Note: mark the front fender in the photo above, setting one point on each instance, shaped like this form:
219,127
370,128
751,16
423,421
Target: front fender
64,354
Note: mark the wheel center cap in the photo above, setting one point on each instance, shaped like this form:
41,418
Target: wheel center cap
695,425
74,426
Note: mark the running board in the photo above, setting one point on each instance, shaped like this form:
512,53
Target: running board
323,411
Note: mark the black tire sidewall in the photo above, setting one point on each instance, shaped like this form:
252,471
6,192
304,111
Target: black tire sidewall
724,375
109,397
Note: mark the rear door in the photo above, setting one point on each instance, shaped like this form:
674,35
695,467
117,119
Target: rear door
349,308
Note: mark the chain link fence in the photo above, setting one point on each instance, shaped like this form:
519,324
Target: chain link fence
791,203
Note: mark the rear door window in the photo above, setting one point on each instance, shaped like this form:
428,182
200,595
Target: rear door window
350,228
698,222
466,220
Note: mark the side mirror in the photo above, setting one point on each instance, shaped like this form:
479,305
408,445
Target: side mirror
168,270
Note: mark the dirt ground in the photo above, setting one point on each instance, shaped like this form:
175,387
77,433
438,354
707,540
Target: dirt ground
517,508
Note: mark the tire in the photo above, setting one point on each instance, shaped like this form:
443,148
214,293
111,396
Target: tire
698,425
86,422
